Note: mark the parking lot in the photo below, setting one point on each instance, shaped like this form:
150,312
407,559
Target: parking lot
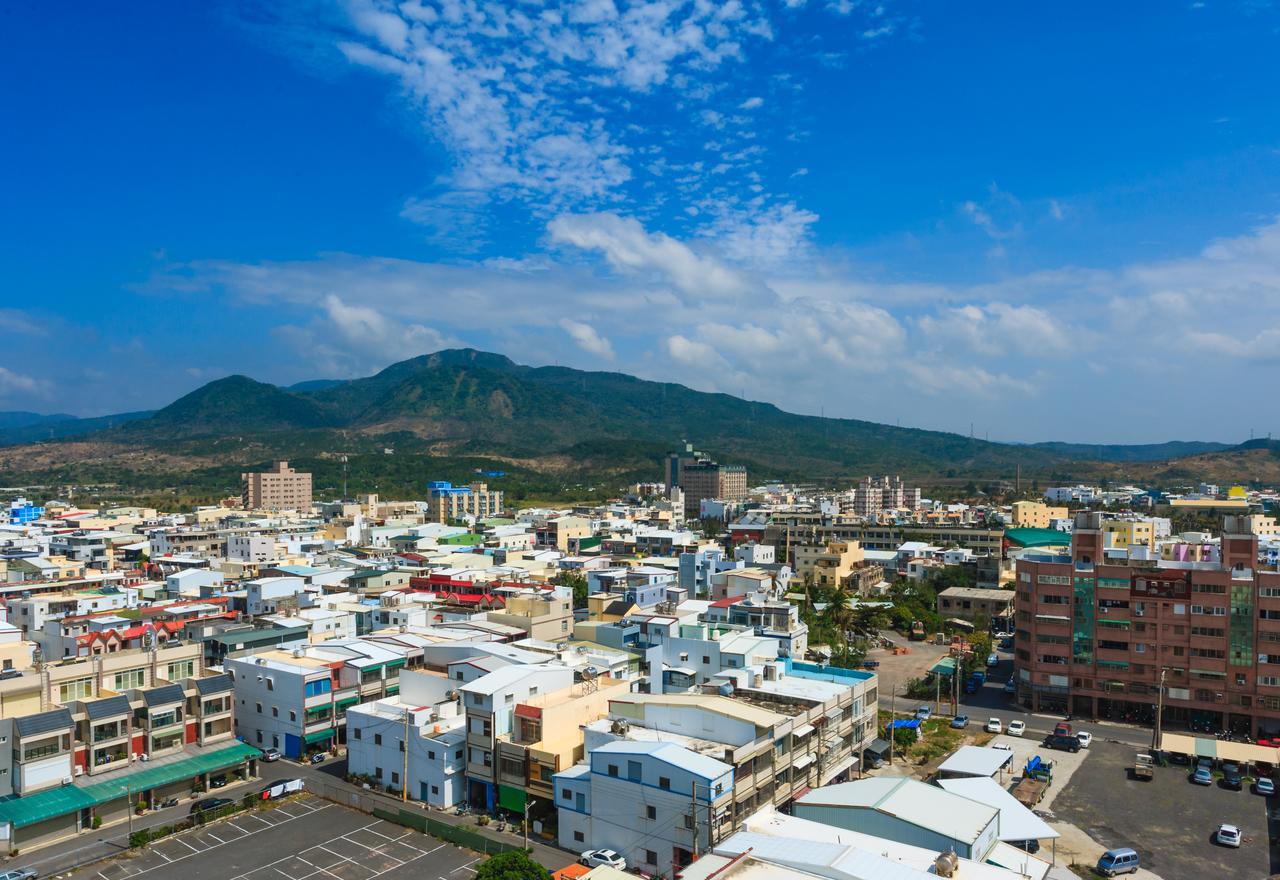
301,839
1169,821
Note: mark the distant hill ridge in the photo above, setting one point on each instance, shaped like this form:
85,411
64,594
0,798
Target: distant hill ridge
475,403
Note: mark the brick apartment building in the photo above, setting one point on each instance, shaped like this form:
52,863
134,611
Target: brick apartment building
1095,629
281,488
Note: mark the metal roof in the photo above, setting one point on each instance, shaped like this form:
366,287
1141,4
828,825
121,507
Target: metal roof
108,708
214,684
976,761
163,696
45,722
908,800
1016,821
24,811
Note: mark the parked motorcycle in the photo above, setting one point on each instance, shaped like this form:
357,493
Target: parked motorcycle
169,802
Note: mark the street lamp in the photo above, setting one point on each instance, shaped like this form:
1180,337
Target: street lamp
527,805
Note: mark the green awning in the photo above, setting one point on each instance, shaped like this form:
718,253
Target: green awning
512,799
319,736
346,701
395,664
393,690
134,783
24,811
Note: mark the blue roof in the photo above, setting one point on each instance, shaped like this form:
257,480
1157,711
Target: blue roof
910,724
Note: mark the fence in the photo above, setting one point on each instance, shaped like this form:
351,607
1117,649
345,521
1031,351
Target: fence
390,809
451,833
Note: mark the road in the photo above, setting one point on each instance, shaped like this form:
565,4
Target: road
992,701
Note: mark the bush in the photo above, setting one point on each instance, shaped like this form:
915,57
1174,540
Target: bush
97,822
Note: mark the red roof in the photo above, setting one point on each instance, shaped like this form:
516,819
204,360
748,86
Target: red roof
725,603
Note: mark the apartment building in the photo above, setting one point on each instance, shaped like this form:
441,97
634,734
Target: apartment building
90,737
1035,515
787,727
562,533
657,804
790,530
448,503
874,495
1098,630
31,614
296,701
547,737
281,488
431,763
705,479
490,703
544,616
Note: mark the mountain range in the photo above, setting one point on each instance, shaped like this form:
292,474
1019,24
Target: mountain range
463,403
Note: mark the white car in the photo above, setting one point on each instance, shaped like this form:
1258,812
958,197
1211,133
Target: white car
1017,728
1085,738
1228,835
280,788
594,858
994,726
1004,747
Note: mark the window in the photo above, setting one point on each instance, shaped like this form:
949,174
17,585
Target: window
651,812
431,756
80,689
566,794
435,789
259,736
633,771
650,857
275,711
377,739
577,836
187,669
259,708
706,660
612,769
132,678
293,716
356,733
395,777
664,782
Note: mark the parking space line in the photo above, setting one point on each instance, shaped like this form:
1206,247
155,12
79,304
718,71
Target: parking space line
194,851
332,853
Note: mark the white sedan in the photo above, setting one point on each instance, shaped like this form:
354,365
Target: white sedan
994,726
594,858
1017,728
1228,835
1085,738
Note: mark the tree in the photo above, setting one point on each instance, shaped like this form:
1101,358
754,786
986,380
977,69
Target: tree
513,865
578,582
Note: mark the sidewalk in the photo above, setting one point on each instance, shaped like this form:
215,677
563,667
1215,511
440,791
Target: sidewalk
112,840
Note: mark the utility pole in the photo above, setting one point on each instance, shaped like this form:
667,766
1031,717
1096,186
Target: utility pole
1155,733
893,716
404,744
937,694
128,797
694,787
530,803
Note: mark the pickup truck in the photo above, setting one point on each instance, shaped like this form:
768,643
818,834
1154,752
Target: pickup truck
1143,766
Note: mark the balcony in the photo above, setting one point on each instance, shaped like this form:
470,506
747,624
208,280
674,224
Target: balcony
108,732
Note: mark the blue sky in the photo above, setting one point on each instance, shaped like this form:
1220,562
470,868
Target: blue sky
1053,223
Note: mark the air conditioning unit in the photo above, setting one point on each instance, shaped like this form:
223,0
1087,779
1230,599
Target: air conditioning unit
78,771
144,757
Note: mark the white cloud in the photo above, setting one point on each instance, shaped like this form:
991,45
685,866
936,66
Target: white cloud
751,103
587,338
626,245
348,340
19,383
16,321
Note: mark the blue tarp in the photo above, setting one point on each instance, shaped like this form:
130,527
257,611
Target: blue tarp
911,724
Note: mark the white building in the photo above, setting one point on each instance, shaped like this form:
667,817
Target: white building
434,762
262,595
646,801
193,583
251,548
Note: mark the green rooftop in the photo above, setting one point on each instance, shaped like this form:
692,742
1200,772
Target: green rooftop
467,540
1038,537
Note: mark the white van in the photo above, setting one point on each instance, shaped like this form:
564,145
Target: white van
1118,861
